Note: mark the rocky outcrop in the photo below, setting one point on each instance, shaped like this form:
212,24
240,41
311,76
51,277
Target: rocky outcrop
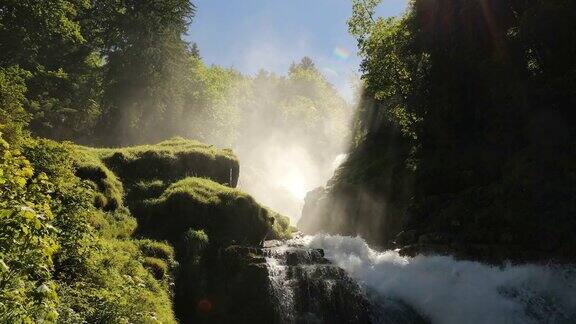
285,282
524,215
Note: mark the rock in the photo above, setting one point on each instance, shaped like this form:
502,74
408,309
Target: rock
434,238
407,237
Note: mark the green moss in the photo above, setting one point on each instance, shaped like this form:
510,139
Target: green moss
157,267
226,214
160,250
170,161
109,191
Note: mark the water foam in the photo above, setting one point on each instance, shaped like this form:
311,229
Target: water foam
449,291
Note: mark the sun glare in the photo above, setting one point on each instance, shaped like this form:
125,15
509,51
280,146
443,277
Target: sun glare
295,183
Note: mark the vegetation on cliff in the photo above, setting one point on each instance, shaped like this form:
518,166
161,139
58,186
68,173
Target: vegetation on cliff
463,139
63,258
228,216
73,248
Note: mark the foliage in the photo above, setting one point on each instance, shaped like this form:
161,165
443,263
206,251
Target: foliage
13,117
48,42
88,64
300,109
145,55
465,126
211,111
27,243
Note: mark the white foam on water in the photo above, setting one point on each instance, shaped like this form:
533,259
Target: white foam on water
448,291
282,289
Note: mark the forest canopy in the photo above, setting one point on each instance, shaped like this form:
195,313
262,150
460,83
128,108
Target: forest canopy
120,72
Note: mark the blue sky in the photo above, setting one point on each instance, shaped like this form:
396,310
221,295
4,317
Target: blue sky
271,34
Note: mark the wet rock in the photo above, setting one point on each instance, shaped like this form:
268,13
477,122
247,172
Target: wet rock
434,238
306,288
407,237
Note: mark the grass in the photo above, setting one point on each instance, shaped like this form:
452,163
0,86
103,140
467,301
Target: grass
113,225
228,215
170,161
119,285
155,249
109,189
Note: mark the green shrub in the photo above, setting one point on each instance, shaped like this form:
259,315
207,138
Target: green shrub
13,116
27,241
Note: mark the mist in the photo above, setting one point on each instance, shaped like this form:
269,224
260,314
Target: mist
280,174
293,132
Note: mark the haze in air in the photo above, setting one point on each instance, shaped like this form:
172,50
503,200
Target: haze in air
325,161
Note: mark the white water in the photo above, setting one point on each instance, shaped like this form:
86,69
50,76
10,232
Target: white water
448,291
281,283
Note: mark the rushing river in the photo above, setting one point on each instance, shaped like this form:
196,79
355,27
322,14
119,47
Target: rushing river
453,292
436,289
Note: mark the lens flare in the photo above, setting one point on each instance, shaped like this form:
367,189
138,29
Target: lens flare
204,306
341,53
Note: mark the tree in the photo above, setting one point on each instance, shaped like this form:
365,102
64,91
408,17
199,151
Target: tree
145,55
13,116
45,38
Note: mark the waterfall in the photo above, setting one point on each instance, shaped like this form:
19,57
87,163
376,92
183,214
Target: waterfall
281,286
305,287
449,291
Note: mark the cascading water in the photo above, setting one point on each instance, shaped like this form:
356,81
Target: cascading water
307,288
281,285
445,290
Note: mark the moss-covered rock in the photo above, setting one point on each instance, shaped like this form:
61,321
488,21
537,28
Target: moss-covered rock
170,161
226,214
108,189
180,192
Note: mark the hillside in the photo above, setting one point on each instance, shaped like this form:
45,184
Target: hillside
122,234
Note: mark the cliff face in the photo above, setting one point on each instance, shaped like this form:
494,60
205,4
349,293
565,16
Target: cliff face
368,195
464,133
182,193
474,205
